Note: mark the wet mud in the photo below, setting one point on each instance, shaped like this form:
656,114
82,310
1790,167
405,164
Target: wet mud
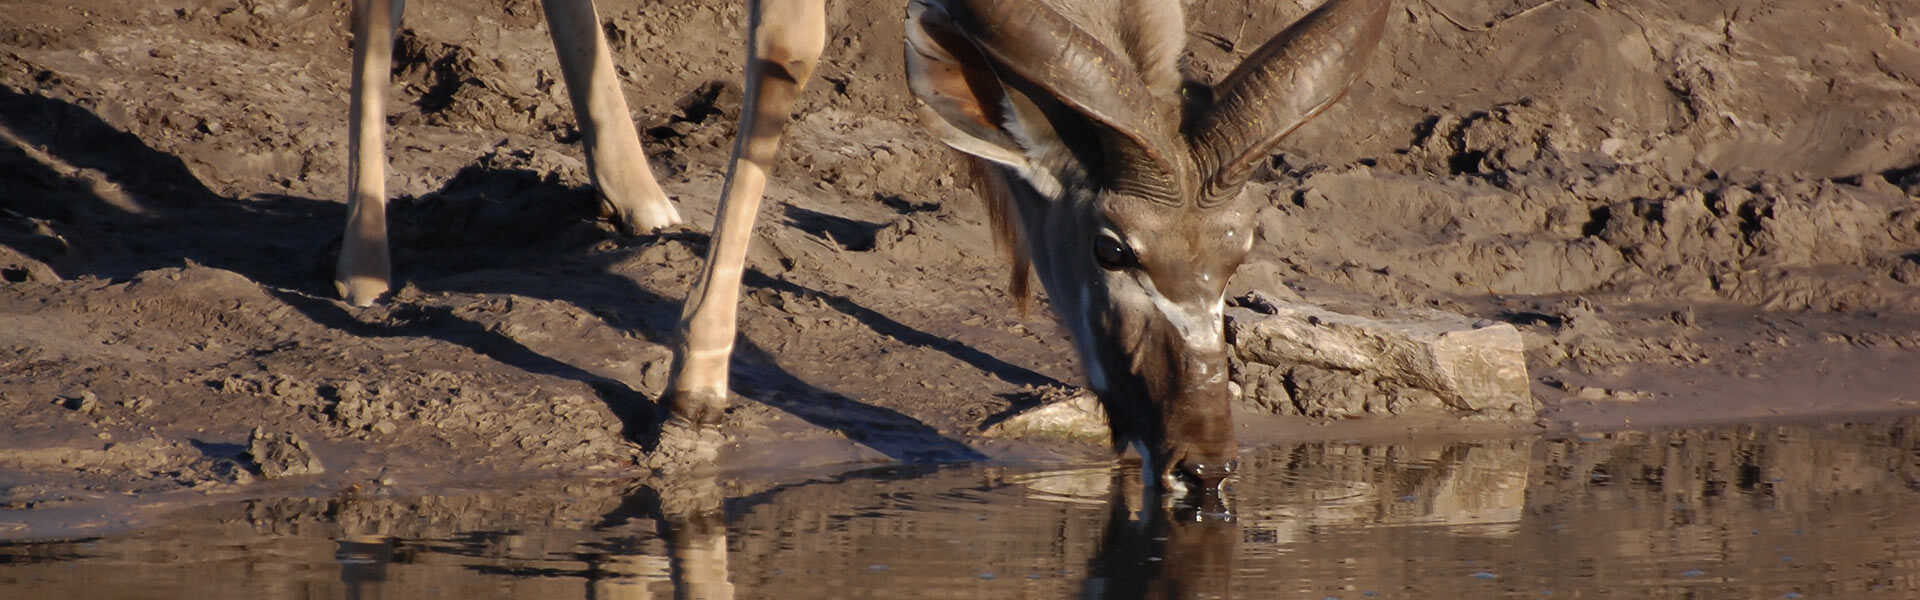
1698,212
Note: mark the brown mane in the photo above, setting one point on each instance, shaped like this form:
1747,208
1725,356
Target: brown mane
989,183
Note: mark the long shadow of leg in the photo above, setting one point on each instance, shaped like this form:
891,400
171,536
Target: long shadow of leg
168,218
117,206
453,230
907,334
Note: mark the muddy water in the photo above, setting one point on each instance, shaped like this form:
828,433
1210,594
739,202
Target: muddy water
1777,511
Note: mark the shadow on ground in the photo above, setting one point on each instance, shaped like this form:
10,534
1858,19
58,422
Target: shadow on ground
86,199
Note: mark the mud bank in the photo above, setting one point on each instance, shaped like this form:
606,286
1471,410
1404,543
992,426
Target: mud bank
1692,213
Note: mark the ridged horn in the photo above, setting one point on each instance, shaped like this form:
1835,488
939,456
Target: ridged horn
1285,82
1040,46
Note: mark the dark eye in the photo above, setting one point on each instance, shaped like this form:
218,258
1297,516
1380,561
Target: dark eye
1112,254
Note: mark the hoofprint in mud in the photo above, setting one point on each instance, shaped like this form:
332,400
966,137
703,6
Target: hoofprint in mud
1674,237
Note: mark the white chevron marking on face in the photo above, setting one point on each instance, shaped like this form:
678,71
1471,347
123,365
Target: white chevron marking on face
1199,326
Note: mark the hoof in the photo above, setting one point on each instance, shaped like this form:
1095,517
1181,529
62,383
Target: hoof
696,408
364,271
635,218
361,291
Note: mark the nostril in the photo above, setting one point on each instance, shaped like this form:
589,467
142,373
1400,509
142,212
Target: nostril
1209,474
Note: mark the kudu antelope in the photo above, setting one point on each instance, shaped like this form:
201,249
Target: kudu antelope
1106,173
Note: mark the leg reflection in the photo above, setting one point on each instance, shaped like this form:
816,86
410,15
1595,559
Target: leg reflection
363,564
1153,550
689,512
626,572
698,542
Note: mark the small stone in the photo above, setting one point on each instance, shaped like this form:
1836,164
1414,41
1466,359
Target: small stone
232,472
282,455
84,402
1612,146
1591,393
1257,301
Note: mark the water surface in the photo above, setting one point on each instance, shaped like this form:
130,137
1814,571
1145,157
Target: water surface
1775,511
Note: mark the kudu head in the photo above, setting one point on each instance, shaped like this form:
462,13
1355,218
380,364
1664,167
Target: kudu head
1120,182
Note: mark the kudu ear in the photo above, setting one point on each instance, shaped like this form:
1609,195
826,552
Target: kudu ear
961,100
1285,82
1018,83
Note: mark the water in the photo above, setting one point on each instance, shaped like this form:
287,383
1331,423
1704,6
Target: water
1799,511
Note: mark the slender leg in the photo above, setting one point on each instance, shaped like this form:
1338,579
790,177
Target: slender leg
786,39
615,161
364,270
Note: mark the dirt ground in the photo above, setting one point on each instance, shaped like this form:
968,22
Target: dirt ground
1697,211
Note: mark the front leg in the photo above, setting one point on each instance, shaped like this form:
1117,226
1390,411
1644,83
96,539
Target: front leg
786,37
364,270
616,163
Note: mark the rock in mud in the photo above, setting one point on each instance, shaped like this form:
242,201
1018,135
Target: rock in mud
1473,368
84,402
1078,419
282,455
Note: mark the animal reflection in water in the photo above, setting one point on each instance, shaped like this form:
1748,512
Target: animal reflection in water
1150,548
1163,550
1583,516
1121,538
1175,552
